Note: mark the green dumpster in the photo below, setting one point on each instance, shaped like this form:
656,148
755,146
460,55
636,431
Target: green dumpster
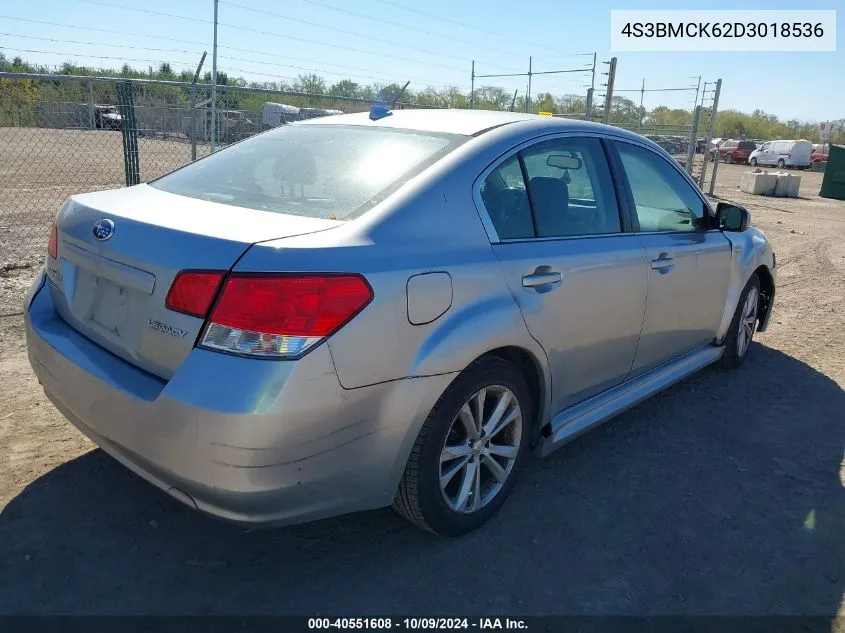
833,184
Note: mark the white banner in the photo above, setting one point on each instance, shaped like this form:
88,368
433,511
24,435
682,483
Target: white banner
723,30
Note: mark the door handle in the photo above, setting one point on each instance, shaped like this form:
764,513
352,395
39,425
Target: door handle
540,279
664,261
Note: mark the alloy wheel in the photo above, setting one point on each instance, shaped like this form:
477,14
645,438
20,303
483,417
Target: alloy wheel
481,449
748,322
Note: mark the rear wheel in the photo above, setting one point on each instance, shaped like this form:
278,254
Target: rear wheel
743,325
781,163
469,450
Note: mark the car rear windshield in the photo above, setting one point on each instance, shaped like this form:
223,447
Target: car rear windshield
333,172
748,145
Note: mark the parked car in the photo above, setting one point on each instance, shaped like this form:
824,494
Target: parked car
358,311
783,154
819,153
732,151
107,118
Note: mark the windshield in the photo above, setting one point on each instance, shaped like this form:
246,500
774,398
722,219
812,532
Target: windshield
334,172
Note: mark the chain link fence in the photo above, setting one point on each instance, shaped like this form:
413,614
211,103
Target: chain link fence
63,135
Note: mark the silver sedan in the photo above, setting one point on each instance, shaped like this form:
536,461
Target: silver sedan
395,308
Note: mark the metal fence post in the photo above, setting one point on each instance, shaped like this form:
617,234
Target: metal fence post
194,108
92,124
131,161
693,137
710,132
472,87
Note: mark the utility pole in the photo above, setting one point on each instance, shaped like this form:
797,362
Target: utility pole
472,87
697,88
528,96
710,132
640,113
593,82
608,97
214,85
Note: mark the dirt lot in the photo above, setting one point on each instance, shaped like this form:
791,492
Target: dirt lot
722,495
40,168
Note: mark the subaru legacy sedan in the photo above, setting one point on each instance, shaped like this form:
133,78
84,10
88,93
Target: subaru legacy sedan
387,309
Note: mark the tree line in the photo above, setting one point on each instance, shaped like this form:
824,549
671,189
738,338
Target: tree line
624,112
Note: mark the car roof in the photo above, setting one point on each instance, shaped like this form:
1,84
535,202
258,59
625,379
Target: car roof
448,121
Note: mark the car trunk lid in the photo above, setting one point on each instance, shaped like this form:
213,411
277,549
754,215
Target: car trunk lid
113,290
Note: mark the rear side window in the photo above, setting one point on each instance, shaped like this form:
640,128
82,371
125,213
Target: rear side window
333,172
747,145
506,200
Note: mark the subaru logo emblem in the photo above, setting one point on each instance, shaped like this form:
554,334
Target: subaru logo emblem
103,229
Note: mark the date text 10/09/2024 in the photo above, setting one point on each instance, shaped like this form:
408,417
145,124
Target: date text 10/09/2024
418,624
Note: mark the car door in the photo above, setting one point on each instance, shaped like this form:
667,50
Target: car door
578,276
764,156
689,258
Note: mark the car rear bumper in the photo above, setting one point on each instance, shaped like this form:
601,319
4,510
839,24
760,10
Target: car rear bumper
250,441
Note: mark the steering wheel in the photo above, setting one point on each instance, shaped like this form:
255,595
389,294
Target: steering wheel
511,204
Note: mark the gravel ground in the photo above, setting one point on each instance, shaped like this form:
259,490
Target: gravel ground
722,495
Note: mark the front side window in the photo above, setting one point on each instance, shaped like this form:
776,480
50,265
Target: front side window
332,172
663,199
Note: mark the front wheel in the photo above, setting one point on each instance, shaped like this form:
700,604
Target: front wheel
730,159
753,162
743,325
469,450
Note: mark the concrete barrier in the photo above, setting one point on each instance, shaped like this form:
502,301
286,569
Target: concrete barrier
758,184
787,185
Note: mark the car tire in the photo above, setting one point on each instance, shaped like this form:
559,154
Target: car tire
743,325
421,498
781,163
730,159
753,162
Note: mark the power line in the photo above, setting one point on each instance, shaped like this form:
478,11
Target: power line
144,48
468,26
119,59
326,72
109,31
271,34
172,39
410,28
337,30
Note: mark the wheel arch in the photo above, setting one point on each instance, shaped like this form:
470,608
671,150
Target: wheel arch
535,378
767,290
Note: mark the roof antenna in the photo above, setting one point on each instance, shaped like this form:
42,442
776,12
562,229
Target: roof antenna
381,110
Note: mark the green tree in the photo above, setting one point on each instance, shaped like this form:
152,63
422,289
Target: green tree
345,88
311,84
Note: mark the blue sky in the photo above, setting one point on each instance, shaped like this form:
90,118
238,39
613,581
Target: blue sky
395,44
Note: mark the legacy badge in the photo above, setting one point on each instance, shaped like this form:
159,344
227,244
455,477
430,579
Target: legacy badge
164,327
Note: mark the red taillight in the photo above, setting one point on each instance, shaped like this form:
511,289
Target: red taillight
193,292
53,242
283,316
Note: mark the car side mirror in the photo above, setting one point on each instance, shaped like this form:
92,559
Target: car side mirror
732,217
